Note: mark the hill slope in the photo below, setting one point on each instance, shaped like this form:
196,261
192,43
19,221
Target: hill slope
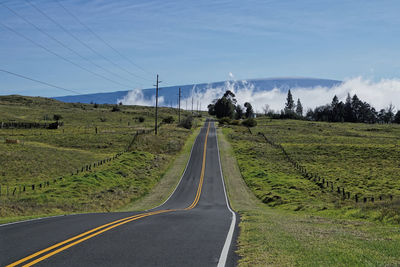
169,94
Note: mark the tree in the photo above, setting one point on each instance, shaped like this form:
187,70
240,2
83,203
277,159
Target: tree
397,117
238,112
389,114
225,106
299,108
211,109
249,110
57,117
266,109
289,106
348,110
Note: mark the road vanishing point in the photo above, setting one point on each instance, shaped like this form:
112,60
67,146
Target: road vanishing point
194,227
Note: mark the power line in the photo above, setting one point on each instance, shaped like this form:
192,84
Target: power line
101,39
59,42
41,82
60,56
80,41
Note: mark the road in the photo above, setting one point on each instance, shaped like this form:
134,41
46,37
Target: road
194,227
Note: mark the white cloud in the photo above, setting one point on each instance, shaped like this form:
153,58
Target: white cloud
136,97
380,94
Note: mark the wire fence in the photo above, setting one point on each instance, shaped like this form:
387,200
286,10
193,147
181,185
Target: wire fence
15,190
322,182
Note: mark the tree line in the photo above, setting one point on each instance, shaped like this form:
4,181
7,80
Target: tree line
352,110
227,107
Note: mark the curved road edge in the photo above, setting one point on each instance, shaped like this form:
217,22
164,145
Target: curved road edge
228,246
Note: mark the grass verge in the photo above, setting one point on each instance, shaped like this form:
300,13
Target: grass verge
169,181
277,237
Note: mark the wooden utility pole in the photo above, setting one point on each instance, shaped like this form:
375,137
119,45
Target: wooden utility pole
155,127
192,103
179,105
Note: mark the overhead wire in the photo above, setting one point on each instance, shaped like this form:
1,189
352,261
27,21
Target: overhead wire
82,42
101,39
38,81
59,42
58,55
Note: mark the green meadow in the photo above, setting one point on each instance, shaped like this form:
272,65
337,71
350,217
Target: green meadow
362,158
287,220
50,159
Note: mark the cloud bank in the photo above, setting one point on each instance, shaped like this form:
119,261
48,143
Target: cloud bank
378,93
136,97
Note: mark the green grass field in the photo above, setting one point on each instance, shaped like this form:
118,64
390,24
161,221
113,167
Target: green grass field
279,234
362,158
44,155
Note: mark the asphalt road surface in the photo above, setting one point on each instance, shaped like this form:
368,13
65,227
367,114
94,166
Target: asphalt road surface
194,227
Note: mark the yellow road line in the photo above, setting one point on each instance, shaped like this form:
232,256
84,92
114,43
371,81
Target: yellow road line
106,227
88,237
197,198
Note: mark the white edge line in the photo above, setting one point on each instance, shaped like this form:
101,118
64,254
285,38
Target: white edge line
35,219
184,172
62,215
225,250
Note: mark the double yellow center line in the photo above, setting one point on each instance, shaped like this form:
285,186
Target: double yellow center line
57,248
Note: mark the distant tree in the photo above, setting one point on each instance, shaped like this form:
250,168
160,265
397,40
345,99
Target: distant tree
211,109
299,108
96,105
225,106
266,109
389,114
310,114
230,96
249,110
397,117
348,110
115,109
289,106
57,117
238,112
187,122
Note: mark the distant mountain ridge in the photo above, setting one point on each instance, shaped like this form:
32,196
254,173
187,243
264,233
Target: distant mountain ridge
170,93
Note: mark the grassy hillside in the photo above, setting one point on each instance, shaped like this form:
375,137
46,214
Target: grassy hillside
362,158
276,233
90,134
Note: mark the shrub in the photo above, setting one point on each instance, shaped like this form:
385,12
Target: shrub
168,120
57,117
224,120
141,119
249,122
187,122
235,122
115,109
96,105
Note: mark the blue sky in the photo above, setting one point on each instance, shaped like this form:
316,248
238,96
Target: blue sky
198,41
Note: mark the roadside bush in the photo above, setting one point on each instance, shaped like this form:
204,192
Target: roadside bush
235,122
141,119
115,109
57,117
168,120
249,122
224,120
187,122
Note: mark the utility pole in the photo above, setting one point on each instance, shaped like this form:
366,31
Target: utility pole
179,105
192,103
155,127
